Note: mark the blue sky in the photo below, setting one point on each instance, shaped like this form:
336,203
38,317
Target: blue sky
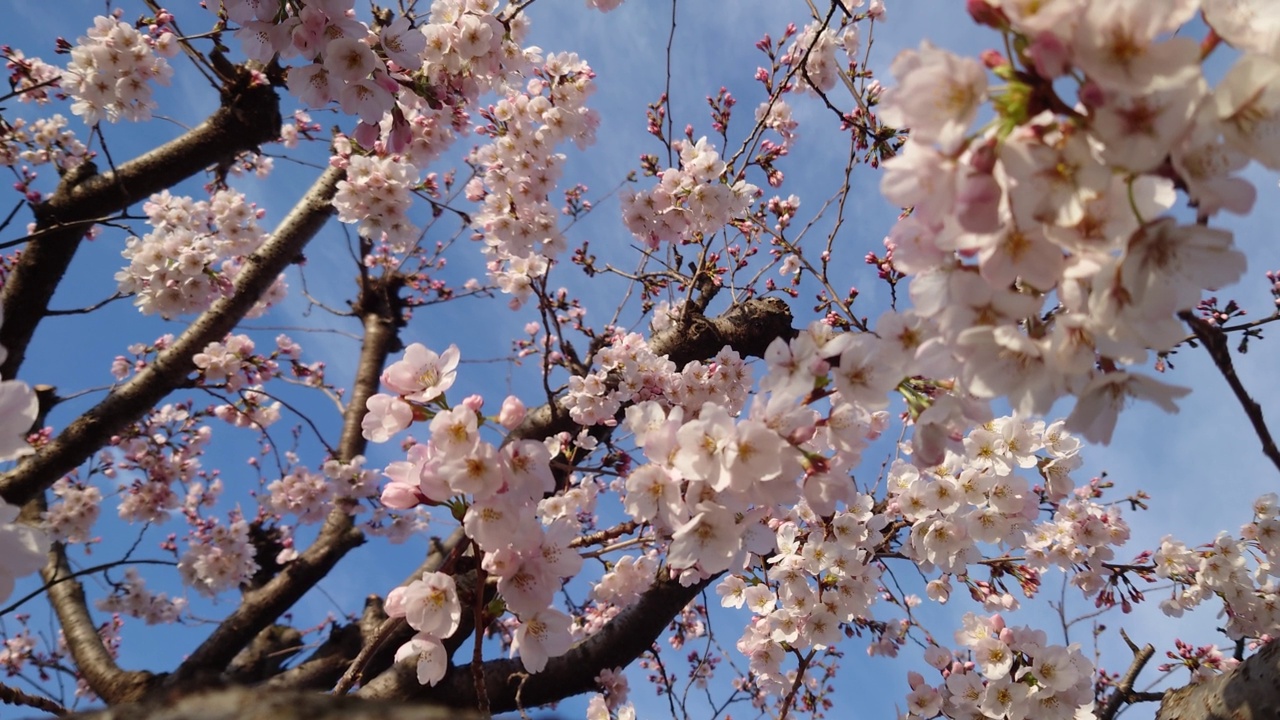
1202,467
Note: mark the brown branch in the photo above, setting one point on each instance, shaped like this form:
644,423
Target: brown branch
264,656
13,696
326,665
88,433
249,116
622,640
1215,343
93,661
240,703
1124,689
379,310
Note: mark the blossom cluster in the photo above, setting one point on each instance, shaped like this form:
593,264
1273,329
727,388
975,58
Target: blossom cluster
419,377
309,495
219,556
70,518
689,203
41,141
630,372
813,55
161,449
463,51
1054,201
496,490
1250,591
1015,672
193,253
520,167
131,597
377,193
111,70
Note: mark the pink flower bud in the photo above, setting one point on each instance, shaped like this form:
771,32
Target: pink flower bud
400,496
473,403
984,13
993,59
394,606
512,412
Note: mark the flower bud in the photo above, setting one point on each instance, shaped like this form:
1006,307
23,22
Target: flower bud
512,413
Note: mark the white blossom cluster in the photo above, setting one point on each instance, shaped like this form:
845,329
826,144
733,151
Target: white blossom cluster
192,254
688,203
111,70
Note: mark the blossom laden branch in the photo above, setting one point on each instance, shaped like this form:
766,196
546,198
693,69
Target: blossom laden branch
84,436
617,644
380,313
249,116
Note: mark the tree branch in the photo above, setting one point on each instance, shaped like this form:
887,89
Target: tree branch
93,661
13,696
1251,690
379,311
249,116
617,644
240,703
1124,689
88,433
1215,343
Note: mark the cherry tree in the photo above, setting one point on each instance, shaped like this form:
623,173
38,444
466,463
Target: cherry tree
727,405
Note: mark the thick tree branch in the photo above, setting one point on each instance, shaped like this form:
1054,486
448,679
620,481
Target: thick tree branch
13,696
1249,692
264,656
748,328
249,116
88,433
240,703
378,307
93,660
617,644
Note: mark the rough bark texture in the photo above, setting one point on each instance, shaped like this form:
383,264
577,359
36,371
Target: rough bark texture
249,116
1250,692
239,703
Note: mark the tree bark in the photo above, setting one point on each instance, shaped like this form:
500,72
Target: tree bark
1249,692
239,703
